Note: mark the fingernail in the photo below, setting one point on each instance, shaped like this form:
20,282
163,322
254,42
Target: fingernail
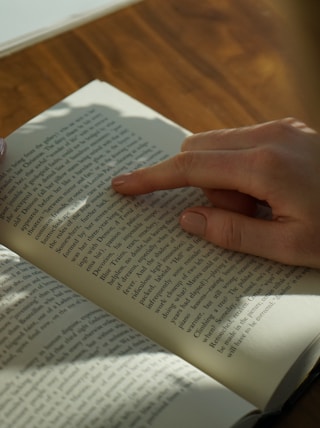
194,223
2,146
121,179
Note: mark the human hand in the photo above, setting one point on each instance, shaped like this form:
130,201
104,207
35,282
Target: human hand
276,163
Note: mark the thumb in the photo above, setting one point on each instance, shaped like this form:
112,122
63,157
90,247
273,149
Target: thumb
237,232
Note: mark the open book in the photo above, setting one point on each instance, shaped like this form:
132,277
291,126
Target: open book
113,316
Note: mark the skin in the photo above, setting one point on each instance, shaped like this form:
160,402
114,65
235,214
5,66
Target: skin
275,164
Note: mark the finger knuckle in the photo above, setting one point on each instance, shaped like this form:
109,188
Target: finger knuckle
300,247
269,161
231,236
286,129
184,163
188,143
267,158
192,142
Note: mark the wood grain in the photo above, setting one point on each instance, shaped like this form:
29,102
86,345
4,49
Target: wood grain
207,64
204,64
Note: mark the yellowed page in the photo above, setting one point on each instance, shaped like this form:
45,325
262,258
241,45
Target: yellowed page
67,363
243,320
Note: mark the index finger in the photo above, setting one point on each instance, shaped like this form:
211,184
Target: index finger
245,137
205,169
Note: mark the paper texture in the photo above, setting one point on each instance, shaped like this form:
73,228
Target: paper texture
66,363
229,314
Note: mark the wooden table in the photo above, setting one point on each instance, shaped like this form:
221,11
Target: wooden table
204,64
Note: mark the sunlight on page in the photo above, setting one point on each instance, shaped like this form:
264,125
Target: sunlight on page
72,363
38,123
12,297
264,336
243,320
142,389
273,311
111,163
69,210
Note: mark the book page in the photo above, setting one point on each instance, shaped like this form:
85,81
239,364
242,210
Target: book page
40,19
66,363
229,314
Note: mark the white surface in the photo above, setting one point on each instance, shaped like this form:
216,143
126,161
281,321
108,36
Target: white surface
23,22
